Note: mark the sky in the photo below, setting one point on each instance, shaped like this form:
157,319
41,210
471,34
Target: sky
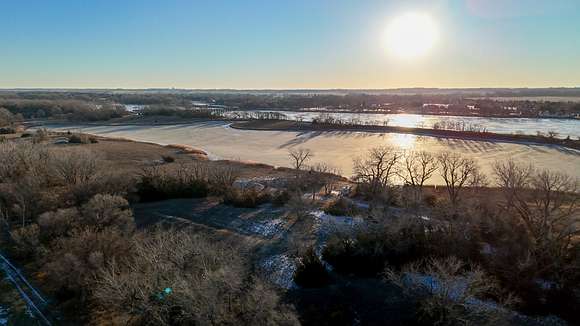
284,44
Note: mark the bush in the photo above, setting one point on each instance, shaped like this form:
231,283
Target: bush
310,272
201,283
430,200
58,223
7,130
449,291
342,207
105,211
26,240
76,166
107,183
281,198
40,136
80,139
158,184
168,158
18,160
367,252
245,198
74,260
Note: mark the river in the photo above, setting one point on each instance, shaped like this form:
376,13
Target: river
526,126
335,148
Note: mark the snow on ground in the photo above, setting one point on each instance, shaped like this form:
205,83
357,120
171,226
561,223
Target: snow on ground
279,269
456,291
327,224
265,181
268,228
134,107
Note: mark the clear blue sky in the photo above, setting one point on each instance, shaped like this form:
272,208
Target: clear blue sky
284,44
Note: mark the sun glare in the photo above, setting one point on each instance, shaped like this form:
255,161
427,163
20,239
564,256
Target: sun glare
411,35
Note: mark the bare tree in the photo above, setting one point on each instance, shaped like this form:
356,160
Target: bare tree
323,176
512,178
173,271
76,166
551,215
299,156
416,169
6,117
457,172
377,169
443,301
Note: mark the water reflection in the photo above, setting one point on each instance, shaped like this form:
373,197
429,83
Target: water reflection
528,126
404,141
407,120
337,149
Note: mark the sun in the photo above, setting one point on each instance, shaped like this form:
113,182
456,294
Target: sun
411,35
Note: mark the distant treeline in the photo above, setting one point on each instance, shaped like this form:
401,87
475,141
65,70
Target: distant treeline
35,104
75,110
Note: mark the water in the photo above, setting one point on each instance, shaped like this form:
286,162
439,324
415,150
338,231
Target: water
335,148
526,126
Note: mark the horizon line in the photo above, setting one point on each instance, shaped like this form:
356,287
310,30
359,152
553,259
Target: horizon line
283,89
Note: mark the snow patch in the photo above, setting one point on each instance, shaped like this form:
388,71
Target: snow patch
327,222
268,228
279,269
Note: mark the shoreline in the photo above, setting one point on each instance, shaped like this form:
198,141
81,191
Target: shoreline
411,113
294,126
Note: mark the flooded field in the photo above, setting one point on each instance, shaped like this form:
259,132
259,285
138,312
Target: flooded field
335,148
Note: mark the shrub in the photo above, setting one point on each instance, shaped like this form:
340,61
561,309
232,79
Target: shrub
168,158
73,261
367,252
450,292
76,166
58,223
342,207
40,135
245,198
281,198
310,271
430,200
26,240
220,178
107,183
202,283
7,130
158,184
104,211
79,139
